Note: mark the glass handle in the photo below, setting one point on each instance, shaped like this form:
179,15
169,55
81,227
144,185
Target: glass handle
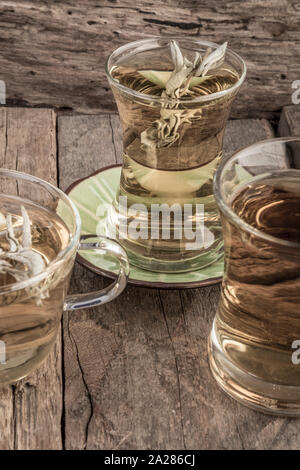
101,245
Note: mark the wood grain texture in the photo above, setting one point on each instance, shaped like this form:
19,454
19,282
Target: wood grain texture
30,412
53,53
136,371
289,123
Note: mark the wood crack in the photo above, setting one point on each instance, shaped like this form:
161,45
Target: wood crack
89,396
113,139
176,24
14,417
63,388
240,436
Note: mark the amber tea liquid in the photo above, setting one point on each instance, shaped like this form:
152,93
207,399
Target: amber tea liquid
259,313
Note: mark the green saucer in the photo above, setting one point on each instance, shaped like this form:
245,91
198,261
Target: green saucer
97,190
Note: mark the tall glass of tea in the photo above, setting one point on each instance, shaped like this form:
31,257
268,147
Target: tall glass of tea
174,96
254,345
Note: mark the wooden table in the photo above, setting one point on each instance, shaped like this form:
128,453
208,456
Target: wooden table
132,374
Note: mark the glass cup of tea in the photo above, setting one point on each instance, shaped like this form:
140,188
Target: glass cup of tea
39,238
172,145
254,345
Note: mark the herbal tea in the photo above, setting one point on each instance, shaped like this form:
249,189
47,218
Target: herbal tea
172,146
30,238
259,317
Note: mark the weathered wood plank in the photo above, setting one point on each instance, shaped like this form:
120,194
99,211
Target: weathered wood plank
289,124
136,369
31,410
245,132
53,53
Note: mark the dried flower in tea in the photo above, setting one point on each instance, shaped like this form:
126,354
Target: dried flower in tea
164,132
20,261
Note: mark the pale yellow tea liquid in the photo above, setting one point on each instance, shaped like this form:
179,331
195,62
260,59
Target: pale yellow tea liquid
180,171
30,316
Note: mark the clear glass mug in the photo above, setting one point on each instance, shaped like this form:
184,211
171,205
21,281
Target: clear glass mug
254,345
31,305
178,171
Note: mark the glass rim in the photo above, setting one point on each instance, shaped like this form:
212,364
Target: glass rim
72,240
158,99
226,208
